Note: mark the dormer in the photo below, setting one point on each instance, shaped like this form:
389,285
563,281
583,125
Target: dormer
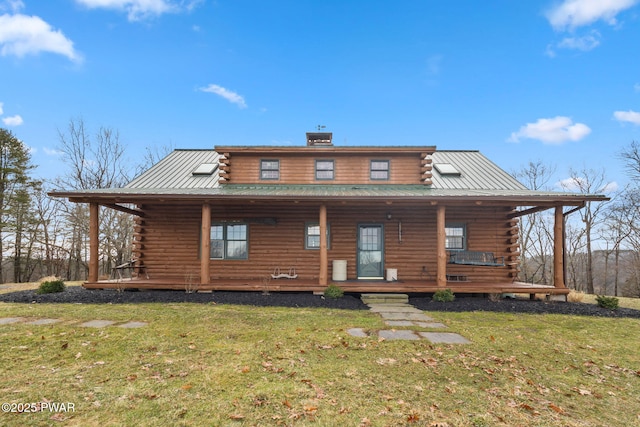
319,139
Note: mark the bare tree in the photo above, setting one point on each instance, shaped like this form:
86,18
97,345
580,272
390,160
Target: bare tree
93,163
536,238
588,181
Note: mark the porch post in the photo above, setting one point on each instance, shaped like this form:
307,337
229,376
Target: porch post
205,244
322,277
93,242
558,249
441,251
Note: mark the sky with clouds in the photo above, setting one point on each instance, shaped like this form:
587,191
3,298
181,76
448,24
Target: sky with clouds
550,80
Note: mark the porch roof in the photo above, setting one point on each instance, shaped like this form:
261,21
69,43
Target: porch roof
314,192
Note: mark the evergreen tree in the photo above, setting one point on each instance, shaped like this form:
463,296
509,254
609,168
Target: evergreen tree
15,182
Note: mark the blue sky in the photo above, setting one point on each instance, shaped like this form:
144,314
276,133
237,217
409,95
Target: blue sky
557,81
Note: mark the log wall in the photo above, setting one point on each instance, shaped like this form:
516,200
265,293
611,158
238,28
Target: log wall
348,169
167,241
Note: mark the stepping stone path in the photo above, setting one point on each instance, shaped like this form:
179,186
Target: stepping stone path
89,324
397,312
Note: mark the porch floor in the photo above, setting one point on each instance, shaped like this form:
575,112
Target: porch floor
284,285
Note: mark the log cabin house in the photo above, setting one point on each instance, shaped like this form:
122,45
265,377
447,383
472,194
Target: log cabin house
370,219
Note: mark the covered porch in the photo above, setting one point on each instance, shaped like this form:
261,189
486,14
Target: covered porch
441,273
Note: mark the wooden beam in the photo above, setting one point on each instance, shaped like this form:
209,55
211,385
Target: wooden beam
124,209
94,211
441,270
558,248
205,245
528,211
324,267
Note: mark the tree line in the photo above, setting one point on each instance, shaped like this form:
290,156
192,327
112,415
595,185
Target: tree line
41,236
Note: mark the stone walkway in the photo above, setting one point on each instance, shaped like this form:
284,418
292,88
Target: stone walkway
89,324
398,313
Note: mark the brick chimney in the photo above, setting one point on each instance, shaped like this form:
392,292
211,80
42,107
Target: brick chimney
319,139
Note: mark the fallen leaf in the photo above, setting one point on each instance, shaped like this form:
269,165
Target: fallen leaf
582,391
64,346
310,408
187,387
78,355
236,417
413,418
555,408
245,369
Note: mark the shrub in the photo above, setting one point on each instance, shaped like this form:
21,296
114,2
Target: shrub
50,287
575,296
607,302
445,295
333,291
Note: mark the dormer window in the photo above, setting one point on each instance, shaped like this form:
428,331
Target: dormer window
379,170
270,169
324,169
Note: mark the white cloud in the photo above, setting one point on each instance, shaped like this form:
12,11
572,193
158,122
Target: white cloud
609,187
636,87
52,152
571,183
627,116
580,184
1,108
13,6
21,35
556,130
12,121
571,14
226,94
584,43
141,9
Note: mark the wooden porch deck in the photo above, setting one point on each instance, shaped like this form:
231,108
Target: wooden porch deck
359,286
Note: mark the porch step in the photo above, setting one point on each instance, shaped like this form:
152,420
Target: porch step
384,298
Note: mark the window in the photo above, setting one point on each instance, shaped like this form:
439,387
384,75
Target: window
446,169
229,241
269,169
312,236
456,239
324,169
379,169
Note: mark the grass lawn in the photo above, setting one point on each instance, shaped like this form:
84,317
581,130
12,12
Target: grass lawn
227,365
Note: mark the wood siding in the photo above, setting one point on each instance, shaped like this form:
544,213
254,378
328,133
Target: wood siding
167,241
348,169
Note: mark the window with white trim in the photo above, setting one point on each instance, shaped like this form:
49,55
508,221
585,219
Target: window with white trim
229,241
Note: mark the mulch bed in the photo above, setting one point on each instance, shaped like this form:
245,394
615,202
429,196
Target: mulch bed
79,295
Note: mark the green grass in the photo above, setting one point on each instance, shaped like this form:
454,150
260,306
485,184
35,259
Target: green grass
226,365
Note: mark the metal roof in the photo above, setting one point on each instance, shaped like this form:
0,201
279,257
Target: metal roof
479,178
476,172
176,172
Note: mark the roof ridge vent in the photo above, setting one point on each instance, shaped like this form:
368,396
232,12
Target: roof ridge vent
319,139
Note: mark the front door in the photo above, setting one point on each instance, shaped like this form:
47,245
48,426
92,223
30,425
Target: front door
370,251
